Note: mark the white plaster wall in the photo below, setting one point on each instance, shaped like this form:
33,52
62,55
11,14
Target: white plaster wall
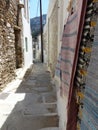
61,106
50,8
62,19
45,37
46,49
39,39
47,30
38,51
28,56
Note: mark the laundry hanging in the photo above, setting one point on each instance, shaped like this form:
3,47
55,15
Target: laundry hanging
87,92
67,63
70,45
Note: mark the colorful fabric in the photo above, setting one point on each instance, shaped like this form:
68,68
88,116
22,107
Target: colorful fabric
71,36
76,48
87,92
57,71
69,46
72,105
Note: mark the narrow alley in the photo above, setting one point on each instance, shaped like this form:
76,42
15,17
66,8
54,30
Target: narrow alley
48,64
31,106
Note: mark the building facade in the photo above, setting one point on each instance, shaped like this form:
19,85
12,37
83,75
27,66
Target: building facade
52,27
27,36
37,49
13,33
56,18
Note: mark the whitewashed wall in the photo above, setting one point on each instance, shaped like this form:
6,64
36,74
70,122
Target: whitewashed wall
38,51
62,18
28,55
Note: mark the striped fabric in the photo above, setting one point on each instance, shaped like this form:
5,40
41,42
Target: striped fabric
68,48
79,29
67,53
57,71
72,105
71,36
87,85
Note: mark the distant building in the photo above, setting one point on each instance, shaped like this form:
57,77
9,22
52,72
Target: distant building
37,49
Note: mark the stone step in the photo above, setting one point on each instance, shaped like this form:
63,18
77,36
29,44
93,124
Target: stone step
50,128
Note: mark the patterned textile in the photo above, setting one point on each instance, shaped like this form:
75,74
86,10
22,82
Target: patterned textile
57,71
69,46
87,96
72,105
73,35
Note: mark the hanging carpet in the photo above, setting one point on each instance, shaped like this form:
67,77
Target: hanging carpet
66,68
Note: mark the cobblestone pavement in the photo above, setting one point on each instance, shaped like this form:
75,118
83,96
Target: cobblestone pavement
33,105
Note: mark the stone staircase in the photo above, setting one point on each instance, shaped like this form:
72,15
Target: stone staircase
50,128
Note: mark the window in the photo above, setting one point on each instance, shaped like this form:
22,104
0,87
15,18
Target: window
26,44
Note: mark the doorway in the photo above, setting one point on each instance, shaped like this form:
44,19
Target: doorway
18,49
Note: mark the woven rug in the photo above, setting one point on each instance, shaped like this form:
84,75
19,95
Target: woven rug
70,45
74,60
86,81
67,62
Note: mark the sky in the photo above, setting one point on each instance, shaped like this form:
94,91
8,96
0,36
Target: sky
33,7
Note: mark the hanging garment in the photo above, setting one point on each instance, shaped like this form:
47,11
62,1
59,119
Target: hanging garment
70,45
71,74
83,54
68,59
72,109
86,80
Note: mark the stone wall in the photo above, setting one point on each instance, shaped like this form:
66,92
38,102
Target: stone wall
8,21
19,39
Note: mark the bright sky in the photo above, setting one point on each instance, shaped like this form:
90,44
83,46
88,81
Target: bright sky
33,7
